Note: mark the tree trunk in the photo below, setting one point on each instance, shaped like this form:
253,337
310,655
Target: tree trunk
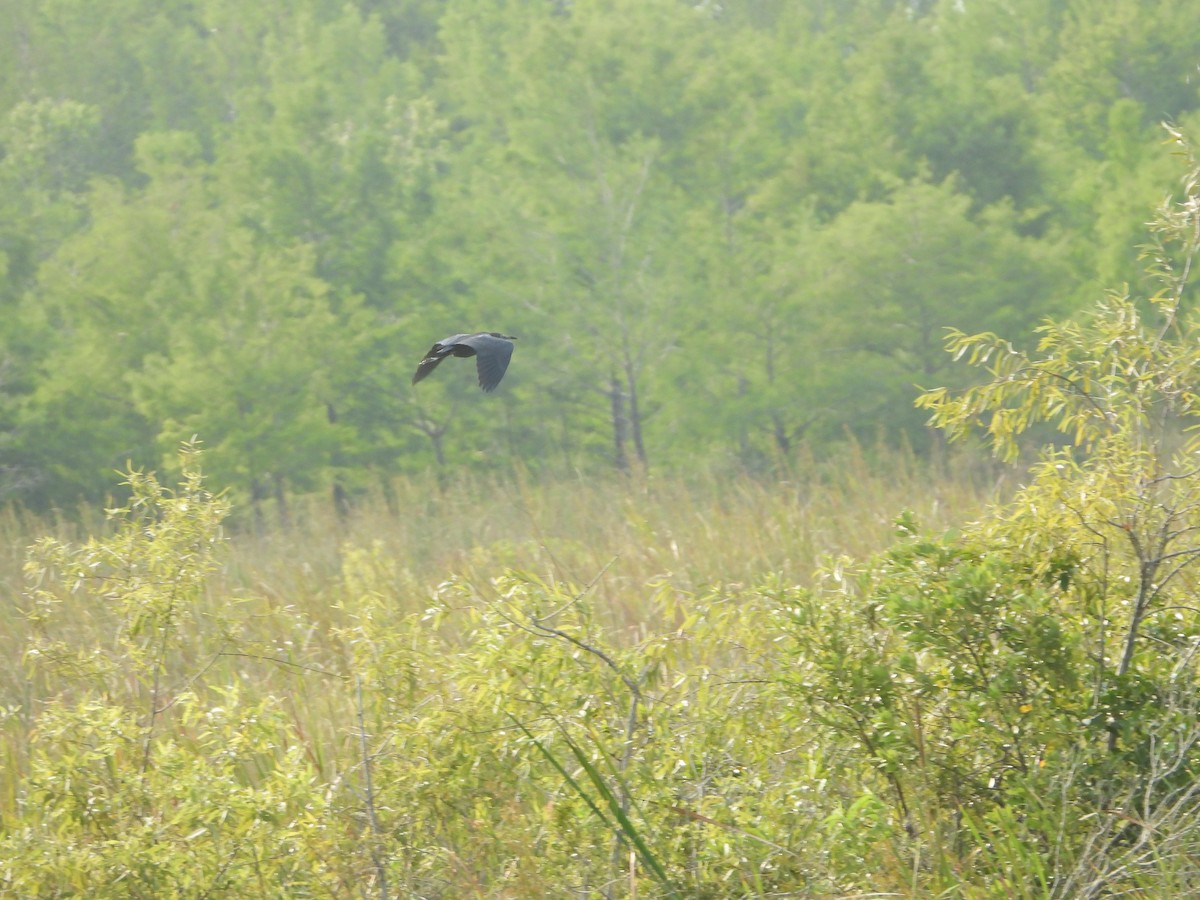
635,416
281,504
617,397
256,498
341,501
743,388
783,440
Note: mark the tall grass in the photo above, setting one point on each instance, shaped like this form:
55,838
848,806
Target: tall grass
297,596
690,533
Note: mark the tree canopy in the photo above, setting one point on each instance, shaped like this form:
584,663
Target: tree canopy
718,229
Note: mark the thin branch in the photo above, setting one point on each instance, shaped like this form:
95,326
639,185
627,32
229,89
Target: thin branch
586,590
380,869
282,662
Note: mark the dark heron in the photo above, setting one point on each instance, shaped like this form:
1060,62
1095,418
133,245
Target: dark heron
491,350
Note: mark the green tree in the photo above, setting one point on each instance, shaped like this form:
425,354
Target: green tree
584,200
141,65
97,309
1144,53
886,278
46,150
656,198
252,376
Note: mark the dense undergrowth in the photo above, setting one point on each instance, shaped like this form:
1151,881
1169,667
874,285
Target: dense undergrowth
646,689
187,707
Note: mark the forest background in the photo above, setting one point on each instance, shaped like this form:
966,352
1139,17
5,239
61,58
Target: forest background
696,604
720,231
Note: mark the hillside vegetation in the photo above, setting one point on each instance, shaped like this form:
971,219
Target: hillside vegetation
720,230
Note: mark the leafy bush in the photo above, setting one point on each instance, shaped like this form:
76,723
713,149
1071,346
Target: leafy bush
1025,693
137,784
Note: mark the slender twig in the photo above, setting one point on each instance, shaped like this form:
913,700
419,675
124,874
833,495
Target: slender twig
369,790
159,662
586,590
283,662
595,651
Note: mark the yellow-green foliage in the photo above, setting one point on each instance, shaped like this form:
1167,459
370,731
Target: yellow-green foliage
135,783
1029,689
198,714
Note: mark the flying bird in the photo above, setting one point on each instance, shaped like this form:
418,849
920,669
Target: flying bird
491,350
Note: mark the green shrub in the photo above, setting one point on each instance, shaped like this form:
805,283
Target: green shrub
140,783
1025,693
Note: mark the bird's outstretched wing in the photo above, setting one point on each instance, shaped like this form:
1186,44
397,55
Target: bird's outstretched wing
491,358
435,355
